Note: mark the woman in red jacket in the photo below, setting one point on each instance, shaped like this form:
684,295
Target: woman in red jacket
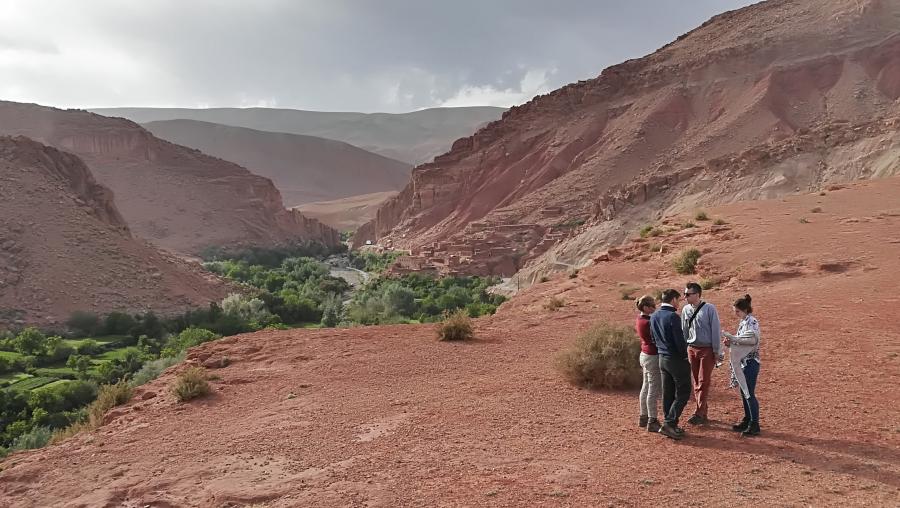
649,359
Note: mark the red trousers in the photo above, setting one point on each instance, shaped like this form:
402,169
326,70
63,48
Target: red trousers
703,361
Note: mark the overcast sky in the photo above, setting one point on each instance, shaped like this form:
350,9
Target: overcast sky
329,55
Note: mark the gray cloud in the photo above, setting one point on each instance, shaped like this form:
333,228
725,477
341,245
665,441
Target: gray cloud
389,55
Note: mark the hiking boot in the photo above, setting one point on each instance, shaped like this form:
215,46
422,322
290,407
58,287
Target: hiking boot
642,422
653,425
669,431
751,430
742,426
698,420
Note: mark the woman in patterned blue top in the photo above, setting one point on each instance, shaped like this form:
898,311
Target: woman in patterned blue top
744,358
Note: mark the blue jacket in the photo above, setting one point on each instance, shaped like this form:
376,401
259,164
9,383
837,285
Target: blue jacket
665,328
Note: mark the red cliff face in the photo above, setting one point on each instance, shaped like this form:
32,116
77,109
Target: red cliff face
176,197
65,247
542,185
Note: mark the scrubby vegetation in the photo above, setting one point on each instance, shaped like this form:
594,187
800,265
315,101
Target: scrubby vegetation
371,261
602,357
270,256
719,222
554,303
190,384
649,231
685,263
420,298
701,215
456,325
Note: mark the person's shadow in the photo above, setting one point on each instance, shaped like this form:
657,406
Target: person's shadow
840,456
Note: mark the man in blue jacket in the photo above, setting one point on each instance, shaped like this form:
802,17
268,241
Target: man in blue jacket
665,328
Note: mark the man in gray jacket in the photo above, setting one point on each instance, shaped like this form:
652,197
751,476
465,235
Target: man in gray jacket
702,330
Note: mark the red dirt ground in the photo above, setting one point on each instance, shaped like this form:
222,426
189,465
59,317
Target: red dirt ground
388,416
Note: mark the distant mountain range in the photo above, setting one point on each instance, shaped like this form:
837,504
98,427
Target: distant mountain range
413,138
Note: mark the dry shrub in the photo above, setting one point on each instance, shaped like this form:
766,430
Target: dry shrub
710,282
455,326
701,215
603,357
554,303
190,384
719,222
686,262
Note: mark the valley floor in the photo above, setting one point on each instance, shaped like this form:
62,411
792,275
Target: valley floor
388,416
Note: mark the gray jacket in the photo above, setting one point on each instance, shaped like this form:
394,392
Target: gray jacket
706,329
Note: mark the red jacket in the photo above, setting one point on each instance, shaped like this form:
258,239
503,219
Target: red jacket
642,325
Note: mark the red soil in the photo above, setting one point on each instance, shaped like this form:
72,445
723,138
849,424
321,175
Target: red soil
388,416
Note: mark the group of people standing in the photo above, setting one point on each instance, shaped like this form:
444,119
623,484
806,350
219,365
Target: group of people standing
680,352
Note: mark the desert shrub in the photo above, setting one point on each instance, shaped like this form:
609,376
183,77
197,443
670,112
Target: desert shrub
710,282
817,209
544,278
719,222
84,323
686,262
455,326
626,292
701,215
688,225
554,303
573,274
804,220
108,397
152,369
646,230
190,384
602,357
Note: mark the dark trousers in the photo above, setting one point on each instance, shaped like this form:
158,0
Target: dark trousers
676,386
751,405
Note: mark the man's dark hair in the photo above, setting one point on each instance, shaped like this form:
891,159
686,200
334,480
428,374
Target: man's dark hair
693,287
669,295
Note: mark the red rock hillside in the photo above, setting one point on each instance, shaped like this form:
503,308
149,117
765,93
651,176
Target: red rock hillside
391,417
176,197
775,98
65,247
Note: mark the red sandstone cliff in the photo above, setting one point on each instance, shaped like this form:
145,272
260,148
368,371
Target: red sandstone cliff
774,98
176,197
65,247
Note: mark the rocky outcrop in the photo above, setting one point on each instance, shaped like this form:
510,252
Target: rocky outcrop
784,90
176,197
65,247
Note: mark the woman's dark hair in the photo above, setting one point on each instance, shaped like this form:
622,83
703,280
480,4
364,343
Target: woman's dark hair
743,304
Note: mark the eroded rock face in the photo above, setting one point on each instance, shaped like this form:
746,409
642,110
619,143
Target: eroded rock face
65,247
771,99
176,197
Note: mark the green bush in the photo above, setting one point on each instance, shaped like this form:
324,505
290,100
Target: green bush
31,342
152,369
190,384
37,437
89,347
686,262
84,323
188,338
455,326
701,215
603,357
118,323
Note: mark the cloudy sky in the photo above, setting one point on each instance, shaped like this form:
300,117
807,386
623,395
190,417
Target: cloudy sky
329,55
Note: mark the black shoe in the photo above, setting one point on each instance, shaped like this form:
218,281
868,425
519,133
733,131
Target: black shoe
752,430
742,426
669,431
679,430
642,422
653,425
698,420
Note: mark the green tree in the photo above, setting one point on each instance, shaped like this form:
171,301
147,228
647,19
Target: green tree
84,323
31,342
89,347
80,363
332,311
